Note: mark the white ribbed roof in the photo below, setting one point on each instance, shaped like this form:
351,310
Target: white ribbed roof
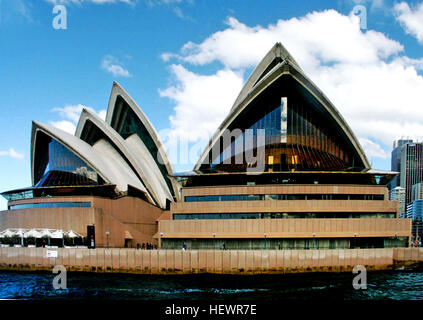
277,63
135,153
113,171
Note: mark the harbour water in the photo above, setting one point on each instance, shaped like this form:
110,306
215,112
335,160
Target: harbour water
381,285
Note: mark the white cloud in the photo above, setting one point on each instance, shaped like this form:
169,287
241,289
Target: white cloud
375,88
411,20
65,125
11,153
113,66
70,115
374,4
313,39
410,62
201,101
70,112
373,150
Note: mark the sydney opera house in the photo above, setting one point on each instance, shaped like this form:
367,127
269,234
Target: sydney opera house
282,171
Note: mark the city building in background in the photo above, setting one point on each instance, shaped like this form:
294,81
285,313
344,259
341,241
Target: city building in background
396,161
415,212
398,194
283,171
417,191
407,159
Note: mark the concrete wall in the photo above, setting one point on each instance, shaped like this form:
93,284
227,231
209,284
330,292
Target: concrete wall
286,189
375,206
123,216
206,261
285,228
75,219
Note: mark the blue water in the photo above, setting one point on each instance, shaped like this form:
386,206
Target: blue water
396,285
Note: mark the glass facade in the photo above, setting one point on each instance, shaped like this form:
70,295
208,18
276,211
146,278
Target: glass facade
284,215
273,125
253,197
300,135
415,211
411,168
51,205
58,166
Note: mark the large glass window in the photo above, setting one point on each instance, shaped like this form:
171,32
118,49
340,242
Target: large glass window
61,167
255,197
300,134
51,205
284,215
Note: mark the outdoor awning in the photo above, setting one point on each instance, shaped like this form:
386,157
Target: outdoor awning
7,233
32,234
39,233
45,232
58,234
73,234
128,235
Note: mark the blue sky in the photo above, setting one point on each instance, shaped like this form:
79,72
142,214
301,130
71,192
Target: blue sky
184,62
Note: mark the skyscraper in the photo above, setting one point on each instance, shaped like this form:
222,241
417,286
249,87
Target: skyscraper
396,161
407,159
411,167
417,191
398,194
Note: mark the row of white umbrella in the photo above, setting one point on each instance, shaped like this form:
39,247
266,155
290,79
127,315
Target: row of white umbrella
39,233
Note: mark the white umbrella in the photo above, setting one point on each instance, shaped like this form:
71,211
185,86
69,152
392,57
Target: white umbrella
58,234
73,234
32,234
20,232
45,232
7,233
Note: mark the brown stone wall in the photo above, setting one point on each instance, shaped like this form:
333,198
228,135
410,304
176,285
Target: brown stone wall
133,212
75,219
286,205
205,261
285,228
286,189
120,217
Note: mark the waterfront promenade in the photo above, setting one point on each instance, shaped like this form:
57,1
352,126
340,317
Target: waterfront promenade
120,260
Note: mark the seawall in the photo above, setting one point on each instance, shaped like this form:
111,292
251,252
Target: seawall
207,261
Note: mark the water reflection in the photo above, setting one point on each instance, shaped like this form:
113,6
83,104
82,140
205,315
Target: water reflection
381,286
